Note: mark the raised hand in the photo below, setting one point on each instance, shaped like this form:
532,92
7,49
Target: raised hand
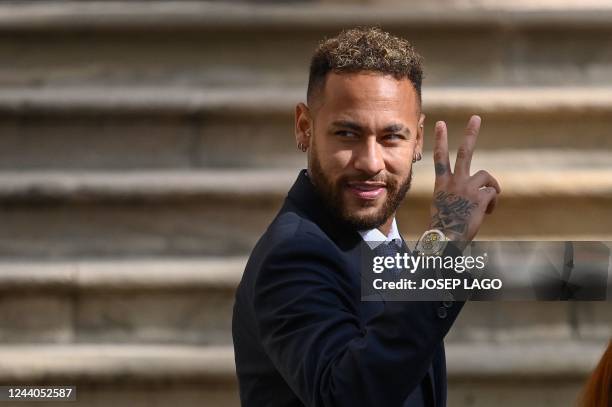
460,200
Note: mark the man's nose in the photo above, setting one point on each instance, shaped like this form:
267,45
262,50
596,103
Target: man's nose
369,158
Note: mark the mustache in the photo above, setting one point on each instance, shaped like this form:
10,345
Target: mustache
381,178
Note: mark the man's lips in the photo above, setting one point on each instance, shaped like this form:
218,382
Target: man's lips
366,190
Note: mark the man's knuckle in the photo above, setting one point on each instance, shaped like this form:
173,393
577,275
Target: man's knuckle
480,173
472,131
490,190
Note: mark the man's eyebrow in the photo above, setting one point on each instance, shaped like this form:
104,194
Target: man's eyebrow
396,128
347,124
392,128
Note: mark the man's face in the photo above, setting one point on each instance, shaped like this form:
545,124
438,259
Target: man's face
366,130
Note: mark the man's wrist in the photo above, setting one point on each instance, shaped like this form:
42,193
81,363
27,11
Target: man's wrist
457,240
455,247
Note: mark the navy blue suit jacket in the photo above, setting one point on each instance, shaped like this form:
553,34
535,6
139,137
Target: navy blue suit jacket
303,337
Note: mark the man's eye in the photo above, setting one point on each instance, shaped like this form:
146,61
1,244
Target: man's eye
394,137
345,133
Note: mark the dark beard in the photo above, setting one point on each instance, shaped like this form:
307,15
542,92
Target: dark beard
332,196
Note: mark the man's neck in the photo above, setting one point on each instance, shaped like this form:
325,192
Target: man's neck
385,228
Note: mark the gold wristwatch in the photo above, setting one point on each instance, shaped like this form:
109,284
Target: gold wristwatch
432,243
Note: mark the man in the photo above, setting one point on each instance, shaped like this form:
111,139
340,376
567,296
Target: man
302,335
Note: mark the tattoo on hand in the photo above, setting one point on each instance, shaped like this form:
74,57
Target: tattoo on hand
440,169
453,212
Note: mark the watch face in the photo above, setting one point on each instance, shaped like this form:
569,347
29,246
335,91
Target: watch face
433,242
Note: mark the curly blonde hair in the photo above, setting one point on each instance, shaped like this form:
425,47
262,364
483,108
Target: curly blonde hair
365,49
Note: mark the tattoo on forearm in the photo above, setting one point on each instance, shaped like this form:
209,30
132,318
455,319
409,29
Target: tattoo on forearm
440,169
452,212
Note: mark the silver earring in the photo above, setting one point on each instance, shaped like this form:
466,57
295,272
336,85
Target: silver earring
302,146
417,157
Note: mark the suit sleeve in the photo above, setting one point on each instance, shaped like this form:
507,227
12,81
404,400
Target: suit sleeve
309,327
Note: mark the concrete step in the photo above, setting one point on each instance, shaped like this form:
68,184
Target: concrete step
212,44
520,375
548,374
142,300
173,127
127,375
58,214
189,301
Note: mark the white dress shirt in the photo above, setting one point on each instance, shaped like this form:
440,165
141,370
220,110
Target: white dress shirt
374,237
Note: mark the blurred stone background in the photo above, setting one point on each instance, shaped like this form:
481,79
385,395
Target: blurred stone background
145,145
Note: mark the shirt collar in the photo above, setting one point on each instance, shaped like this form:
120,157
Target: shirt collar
374,237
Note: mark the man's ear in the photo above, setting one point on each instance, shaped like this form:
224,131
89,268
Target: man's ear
303,126
420,135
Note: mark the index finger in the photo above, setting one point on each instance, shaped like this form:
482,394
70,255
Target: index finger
440,153
465,151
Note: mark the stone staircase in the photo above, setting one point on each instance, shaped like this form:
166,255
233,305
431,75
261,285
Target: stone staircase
144,147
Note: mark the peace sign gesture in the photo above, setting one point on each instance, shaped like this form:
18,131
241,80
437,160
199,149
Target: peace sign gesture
460,199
